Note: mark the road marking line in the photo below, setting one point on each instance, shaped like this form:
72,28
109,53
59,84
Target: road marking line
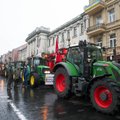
3,96
16,110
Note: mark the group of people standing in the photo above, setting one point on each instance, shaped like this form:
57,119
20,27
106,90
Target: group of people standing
11,81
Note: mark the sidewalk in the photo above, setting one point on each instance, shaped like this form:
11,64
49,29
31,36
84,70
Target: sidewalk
6,111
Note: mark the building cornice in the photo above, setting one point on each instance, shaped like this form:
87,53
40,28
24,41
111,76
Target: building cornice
36,32
79,17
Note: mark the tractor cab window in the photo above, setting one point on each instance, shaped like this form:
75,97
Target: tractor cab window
94,54
36,62
39,61
75,56
19,65
42,61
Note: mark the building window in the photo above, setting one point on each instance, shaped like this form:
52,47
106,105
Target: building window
112,40
111,15
82,28
68,34
62,37
85,24
99,41
53,42
38,42
98,20
75,32
49,43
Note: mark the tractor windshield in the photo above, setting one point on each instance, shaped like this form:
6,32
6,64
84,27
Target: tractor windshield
39,61
94,53
36,62
19,65
75,56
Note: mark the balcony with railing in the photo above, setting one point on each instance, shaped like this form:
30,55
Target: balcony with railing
94,7
96,29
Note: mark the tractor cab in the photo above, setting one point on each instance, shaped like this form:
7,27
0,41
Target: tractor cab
12,64
92,54
18,70
36,61
83,56
19,64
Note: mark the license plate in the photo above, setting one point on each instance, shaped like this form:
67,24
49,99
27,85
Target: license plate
49,79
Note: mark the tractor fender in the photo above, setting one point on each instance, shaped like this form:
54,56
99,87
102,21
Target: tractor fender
70,68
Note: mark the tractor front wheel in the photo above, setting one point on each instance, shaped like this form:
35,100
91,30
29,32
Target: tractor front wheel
62,83
34,80
104,96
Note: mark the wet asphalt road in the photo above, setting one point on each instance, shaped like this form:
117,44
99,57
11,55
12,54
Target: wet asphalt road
42,104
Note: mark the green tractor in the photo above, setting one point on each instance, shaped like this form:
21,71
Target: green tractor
84,73
38,71
18,71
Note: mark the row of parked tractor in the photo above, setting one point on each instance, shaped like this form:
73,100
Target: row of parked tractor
17,68
41,68
79,70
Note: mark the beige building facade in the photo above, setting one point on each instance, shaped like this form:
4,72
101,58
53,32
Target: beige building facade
104,26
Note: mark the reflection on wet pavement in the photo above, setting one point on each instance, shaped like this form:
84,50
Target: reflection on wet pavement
42,104
6,112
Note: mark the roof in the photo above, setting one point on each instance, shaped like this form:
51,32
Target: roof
72,21
37,31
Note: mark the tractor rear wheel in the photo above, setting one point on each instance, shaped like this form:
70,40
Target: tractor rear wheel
34,80
62,83
105,95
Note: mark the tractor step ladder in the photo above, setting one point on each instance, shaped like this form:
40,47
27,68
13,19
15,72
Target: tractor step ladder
78,86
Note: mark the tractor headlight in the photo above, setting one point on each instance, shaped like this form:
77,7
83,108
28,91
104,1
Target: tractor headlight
46,71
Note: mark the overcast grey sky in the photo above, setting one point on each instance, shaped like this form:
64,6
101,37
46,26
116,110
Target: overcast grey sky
18,18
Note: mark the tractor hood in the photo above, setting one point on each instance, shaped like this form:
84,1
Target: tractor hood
106,67
116,64
43,69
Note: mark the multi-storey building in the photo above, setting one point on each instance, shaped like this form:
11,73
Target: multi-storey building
69,33
104,26
8,56
3,58
17,54
22,53
37,41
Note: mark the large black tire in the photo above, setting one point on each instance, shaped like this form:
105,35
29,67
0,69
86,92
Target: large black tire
105,96
34,78
62,83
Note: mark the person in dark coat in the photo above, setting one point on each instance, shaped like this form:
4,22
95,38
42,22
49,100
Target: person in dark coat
10,76
26,74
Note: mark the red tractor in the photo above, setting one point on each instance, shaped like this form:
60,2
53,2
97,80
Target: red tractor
52,59
57,57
